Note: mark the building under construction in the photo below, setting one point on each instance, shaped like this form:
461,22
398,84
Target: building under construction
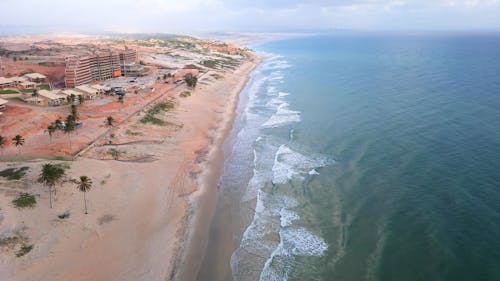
86,69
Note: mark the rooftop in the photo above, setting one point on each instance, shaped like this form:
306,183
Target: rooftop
3,102
70,92
35,76
86,89
51,95
4,80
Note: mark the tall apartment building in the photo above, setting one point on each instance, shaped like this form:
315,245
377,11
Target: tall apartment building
85,69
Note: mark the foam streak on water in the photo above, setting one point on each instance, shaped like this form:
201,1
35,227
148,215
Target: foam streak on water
272,241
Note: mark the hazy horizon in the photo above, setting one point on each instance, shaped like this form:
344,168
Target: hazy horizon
196,16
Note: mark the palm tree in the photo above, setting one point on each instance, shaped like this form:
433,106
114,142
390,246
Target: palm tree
3,140
69,127
84,185
109,121
120,98
81,99
35,93
58,123
18,142
74,112
51,129
50,175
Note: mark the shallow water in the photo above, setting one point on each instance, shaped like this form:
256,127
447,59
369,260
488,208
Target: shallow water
368,157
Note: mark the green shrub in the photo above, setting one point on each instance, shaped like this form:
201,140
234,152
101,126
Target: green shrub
25,200
115,153
150,114
24,250
185,94
14,173
6,92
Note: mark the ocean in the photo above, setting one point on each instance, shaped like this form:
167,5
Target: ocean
368,157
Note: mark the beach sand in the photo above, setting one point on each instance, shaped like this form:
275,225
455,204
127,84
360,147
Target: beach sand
149,211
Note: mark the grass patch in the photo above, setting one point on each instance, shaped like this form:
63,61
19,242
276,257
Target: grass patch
24,250
44,87
16,99
10,241
185,94
209,63
27,90
217,76
17,241
25,200
192,66
14,173
130,133
115,153
150,114
6,92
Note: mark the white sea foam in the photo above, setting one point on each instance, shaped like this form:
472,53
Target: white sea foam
289,164
313,172
287,217
293,242
282,116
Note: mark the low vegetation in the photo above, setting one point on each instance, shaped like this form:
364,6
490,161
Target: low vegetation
185,94
217,76
115,153
6,92
24,250
150,116
18,242
131,133
14,173
25,200
191,80
63,216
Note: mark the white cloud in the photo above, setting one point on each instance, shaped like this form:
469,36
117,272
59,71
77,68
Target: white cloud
257,15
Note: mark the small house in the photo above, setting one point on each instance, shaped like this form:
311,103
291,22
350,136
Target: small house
87,91
6,83
27,85
101,89
52,97
35,77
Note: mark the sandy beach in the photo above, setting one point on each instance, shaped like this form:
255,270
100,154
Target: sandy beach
149,210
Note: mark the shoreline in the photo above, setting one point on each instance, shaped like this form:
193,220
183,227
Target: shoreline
203,204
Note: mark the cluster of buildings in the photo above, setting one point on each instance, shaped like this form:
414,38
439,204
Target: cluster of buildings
80,72
58,97
86,69
27,81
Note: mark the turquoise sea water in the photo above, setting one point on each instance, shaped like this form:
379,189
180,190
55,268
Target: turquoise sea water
369,157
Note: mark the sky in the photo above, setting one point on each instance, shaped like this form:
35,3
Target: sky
195,16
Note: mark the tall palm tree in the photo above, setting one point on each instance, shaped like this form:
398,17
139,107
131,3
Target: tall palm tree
74,111
84,185
69,127
18,142
3,141
81,99
58,123
51,129
51,174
